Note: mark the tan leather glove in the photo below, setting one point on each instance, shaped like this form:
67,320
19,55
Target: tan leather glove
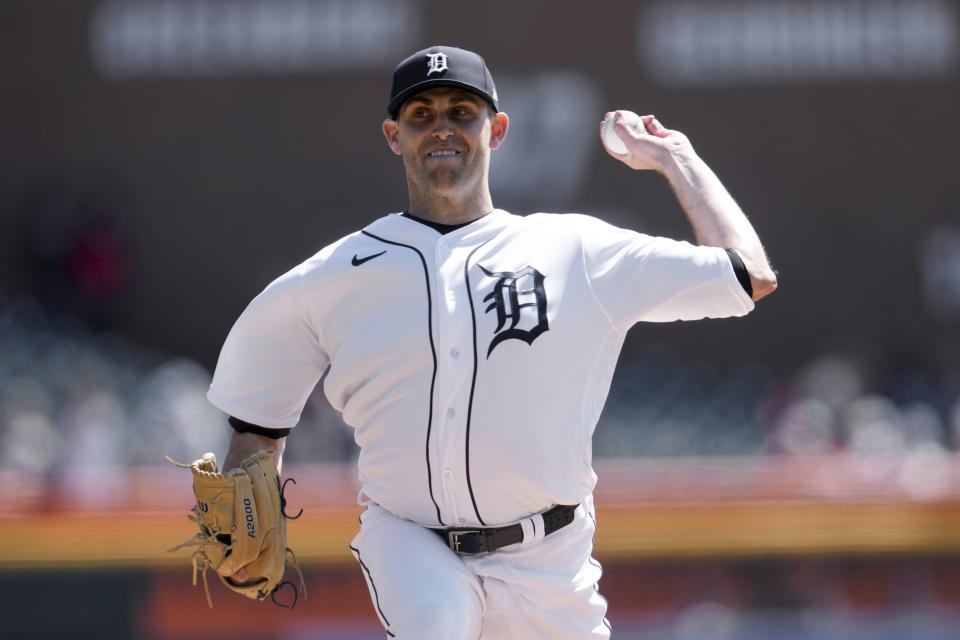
242,525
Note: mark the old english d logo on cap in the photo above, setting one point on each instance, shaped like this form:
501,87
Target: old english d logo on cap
436,63
441,66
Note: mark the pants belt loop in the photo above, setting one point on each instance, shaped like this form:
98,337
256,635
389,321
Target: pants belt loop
527,525
538,529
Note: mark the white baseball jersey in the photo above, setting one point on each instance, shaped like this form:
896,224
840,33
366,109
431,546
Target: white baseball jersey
473,365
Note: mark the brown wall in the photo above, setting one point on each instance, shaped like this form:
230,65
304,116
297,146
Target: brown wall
223,181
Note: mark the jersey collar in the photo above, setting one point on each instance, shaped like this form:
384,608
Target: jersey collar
400,228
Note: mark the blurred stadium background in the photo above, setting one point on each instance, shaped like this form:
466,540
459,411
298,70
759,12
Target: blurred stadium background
791,475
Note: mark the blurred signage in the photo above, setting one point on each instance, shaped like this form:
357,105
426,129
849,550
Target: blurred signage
220,37
690,43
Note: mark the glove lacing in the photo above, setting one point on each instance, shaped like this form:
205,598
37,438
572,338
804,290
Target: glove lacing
288,552
205,536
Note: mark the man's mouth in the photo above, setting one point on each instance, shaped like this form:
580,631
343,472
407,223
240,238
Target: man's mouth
442,153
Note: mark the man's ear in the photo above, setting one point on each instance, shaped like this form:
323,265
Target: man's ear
498,129
391,132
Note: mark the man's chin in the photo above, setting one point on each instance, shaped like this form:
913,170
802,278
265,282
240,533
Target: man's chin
444,179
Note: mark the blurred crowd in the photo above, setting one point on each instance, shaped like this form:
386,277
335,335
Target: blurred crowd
79,401
76,400
663,405
72,399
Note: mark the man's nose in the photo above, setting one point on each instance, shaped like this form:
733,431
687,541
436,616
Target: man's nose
443,130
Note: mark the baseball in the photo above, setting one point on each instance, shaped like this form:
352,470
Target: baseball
610,138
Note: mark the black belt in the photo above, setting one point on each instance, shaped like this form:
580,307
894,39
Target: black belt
469,541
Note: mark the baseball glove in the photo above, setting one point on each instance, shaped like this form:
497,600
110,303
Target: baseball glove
242,526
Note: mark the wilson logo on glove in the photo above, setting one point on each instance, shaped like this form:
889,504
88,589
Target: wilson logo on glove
241,498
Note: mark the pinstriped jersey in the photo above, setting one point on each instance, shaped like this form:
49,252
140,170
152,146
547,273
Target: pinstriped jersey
472,365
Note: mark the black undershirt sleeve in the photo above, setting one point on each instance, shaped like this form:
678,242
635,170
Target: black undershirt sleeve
741,271
245,427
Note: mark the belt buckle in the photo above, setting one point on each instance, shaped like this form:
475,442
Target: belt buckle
453,538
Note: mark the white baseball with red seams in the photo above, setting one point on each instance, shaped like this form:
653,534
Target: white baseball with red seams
609,135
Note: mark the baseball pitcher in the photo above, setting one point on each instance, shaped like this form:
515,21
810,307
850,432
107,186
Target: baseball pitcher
472,351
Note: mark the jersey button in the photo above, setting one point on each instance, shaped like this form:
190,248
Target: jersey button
451,412
448,473
455,353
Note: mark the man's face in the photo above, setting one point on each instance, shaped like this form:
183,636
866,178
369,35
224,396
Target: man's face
445,136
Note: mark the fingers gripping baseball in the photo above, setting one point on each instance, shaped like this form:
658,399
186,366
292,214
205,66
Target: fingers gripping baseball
646,143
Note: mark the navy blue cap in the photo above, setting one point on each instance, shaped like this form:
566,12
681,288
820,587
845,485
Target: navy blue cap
441,67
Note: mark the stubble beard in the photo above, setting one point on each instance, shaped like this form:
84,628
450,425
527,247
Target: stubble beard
444,178
440,180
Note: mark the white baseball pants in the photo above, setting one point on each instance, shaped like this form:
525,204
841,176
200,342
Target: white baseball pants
541,588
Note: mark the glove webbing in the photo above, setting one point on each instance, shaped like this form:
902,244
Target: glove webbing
198,557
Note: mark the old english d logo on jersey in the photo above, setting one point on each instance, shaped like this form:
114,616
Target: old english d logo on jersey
520,304
436,63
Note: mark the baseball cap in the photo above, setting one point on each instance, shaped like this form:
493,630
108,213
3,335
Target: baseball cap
440,66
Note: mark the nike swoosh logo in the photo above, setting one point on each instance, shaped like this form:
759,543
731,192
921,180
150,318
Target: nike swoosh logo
359,261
